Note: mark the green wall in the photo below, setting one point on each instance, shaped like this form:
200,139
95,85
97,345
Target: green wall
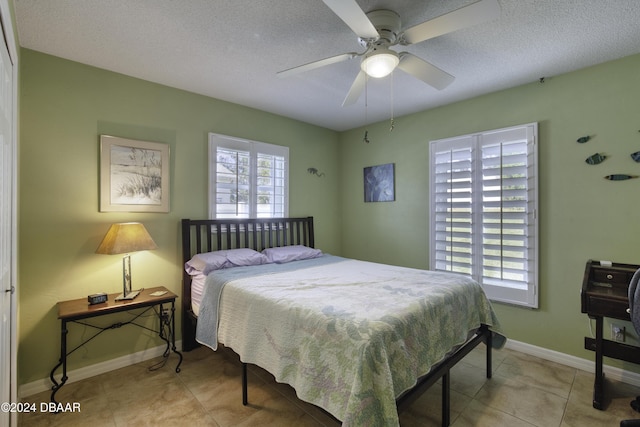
64,107
582,216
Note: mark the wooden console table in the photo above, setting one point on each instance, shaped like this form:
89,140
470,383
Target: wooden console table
79,309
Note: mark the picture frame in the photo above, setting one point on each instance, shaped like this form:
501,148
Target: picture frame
134,175
379,183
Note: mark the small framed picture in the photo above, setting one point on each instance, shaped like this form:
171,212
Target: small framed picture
134,175
379,183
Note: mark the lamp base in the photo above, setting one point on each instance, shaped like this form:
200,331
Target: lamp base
128,296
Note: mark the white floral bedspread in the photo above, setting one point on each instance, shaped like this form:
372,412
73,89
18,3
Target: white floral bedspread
350,336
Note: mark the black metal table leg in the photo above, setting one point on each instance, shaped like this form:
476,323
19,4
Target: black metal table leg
63,362
598,386
173,334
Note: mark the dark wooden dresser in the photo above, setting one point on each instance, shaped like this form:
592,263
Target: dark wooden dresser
604,294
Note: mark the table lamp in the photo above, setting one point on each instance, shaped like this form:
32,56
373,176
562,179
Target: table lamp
123,238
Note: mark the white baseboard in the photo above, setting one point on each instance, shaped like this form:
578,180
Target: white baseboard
574,362
44,384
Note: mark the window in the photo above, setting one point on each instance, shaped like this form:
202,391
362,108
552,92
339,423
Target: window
247,179
483,203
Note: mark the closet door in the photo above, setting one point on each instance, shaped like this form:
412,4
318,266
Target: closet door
8,178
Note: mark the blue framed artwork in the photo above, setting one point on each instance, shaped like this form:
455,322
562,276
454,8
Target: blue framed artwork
379,183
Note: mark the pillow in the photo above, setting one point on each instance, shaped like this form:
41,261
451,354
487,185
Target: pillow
210,261
290,253
205,261
244,257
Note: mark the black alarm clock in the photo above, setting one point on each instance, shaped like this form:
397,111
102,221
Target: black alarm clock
98,298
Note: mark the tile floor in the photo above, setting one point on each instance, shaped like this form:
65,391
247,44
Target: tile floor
524,391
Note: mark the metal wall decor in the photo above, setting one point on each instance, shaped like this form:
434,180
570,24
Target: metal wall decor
314,171
598,158
619,177
583,139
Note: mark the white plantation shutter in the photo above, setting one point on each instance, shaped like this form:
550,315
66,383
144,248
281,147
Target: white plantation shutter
247,179
483,206
232,183
452,207
271,185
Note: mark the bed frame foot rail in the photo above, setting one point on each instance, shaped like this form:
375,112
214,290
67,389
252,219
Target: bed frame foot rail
483,334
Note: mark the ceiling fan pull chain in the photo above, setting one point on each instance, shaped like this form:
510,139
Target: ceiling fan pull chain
366,104
392,120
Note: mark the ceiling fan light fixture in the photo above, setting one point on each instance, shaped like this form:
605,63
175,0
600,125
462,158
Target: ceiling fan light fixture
380,62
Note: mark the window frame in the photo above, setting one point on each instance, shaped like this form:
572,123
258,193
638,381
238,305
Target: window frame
254,148
500,290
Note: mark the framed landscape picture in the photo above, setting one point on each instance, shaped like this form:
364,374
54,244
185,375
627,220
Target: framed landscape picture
379,183
134,175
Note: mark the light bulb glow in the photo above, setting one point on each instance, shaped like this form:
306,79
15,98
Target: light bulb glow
380,63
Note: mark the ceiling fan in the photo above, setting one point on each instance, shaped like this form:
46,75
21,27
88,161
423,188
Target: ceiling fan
379,30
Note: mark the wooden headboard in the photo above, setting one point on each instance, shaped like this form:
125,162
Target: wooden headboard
208,235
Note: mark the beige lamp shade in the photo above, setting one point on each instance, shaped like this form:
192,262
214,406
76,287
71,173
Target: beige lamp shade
126,237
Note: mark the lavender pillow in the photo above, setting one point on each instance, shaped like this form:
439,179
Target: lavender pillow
210,261
244,257
206,261
290,253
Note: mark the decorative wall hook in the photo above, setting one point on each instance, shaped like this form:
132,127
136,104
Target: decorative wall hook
314,171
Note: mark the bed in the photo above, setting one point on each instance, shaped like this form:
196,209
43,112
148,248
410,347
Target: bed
360,340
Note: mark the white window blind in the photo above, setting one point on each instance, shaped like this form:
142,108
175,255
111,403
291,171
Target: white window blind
483,205
247,179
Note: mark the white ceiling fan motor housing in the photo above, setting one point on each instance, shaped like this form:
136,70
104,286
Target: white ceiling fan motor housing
388,24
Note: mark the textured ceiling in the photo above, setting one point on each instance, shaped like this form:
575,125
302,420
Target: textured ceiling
232,50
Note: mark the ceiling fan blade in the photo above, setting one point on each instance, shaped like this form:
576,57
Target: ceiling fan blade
316,64
422,70
354,17
467,16
356,89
